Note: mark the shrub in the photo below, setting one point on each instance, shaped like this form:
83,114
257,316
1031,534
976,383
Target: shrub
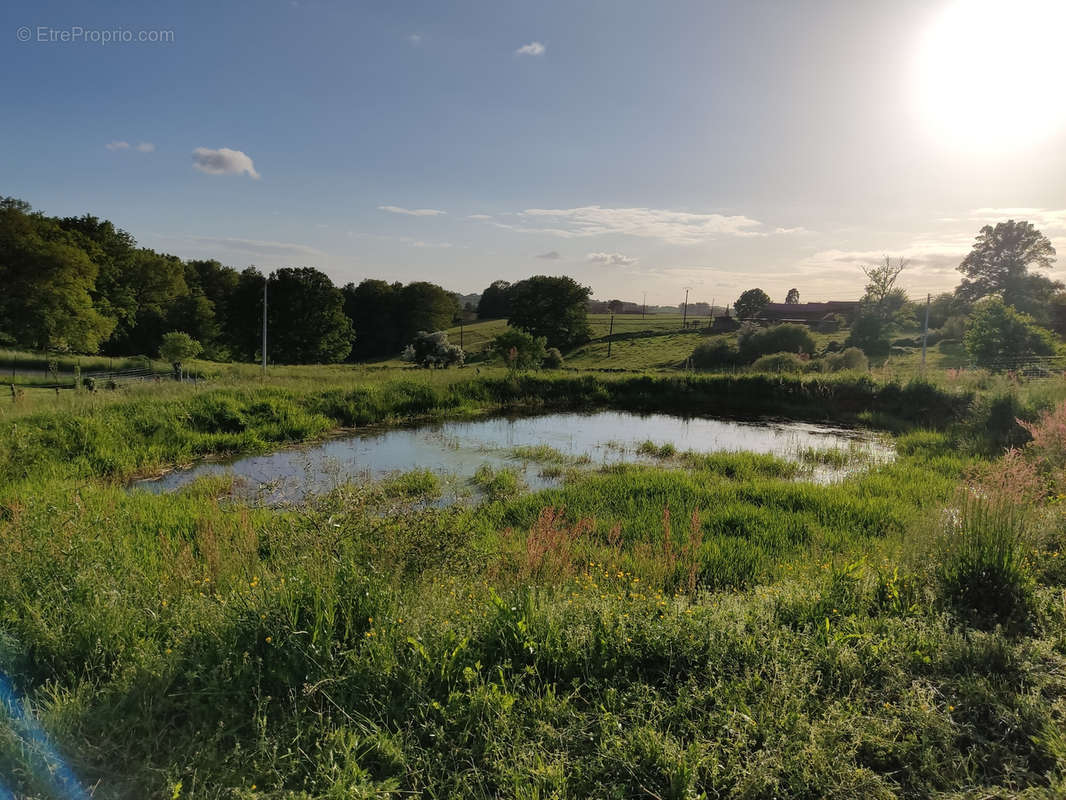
999,337
433,350
519,350
553,358
954,327
780,362
870,334
715,354
851,358
785,338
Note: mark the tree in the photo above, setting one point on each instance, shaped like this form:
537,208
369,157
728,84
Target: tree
999,265
46,284
552,307
519,350
615,306
881,310
425,307
999,337
495,302
374,309
242,326
306,318
793,297
750,303
177,347
883,297
433,350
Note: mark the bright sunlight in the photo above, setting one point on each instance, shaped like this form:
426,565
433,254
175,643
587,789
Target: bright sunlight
989,73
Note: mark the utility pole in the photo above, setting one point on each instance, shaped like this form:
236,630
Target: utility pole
644,308
684,314
266,282
610,335
925,330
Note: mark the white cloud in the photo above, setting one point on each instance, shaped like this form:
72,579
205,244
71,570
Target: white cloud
479,216
257,246
676,227
1042,218
531,49
415,39
223,162
611,258
431,244
551,255
413,212
146,147
117,145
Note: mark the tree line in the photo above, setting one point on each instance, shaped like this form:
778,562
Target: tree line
82,285
1003,309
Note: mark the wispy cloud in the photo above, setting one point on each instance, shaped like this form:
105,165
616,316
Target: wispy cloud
254,247
413,212
1043,218
531,49
415,39
223,161
617,259
146,147
479,216
551,255
117,145
676,227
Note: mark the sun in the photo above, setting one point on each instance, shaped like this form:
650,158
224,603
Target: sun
990,74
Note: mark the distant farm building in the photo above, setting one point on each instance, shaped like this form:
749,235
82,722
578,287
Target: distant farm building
808,313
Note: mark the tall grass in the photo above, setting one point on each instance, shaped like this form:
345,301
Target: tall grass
717,630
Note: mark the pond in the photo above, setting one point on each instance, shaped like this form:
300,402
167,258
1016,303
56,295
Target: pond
455,450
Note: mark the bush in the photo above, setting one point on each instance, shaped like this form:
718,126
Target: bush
869,333
999,337
851,359
833,346
553,358
433,350
520,350
784,338
954,327
715,354
780,362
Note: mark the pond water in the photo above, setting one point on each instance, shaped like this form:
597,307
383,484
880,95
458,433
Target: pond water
455,450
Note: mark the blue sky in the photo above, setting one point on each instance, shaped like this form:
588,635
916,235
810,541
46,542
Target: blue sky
638,146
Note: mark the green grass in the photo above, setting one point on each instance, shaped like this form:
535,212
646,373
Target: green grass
715,628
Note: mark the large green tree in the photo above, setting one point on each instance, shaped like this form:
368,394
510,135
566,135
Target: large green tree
553,307
999,337
46,284
495,302
374,309
426,307
999,265
307,323
750,303
243,323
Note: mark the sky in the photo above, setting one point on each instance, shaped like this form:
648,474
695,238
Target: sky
636,146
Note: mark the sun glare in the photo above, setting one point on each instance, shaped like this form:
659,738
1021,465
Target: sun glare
990,73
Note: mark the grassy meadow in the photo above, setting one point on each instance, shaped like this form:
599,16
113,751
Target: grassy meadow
713,625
